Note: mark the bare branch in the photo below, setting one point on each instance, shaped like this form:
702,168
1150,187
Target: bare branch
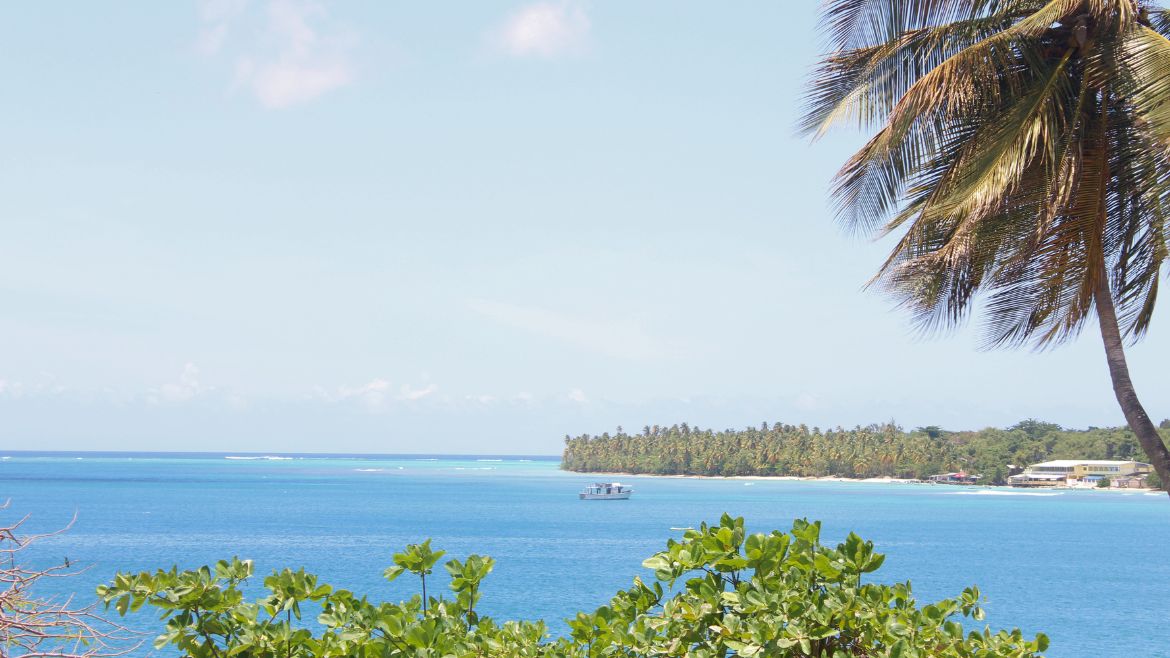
36,627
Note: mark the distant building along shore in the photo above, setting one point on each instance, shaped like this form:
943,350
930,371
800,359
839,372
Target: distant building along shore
961,477
1083,473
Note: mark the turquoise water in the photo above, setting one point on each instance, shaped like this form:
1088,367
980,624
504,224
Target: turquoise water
1088,568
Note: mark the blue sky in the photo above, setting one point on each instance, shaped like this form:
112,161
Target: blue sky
387,227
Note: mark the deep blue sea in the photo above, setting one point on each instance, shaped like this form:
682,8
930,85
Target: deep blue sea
1091,569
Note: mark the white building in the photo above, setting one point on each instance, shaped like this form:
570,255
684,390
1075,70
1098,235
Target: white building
1073,472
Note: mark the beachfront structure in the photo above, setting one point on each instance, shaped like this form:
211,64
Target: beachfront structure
955,478
1074,472
1128,482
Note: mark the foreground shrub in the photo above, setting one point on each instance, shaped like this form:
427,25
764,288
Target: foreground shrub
717,592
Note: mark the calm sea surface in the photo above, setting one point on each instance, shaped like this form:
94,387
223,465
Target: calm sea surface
1090,569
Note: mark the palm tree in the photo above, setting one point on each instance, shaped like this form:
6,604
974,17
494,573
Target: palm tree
1022,157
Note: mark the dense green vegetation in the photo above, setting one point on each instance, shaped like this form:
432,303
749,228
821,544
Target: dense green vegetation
718,592
861,452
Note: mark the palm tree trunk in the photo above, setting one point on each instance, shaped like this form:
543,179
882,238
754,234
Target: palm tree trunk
1135,414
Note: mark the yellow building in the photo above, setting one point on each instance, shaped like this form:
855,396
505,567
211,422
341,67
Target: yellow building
1070,472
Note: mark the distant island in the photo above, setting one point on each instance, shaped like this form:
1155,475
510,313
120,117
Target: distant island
873,451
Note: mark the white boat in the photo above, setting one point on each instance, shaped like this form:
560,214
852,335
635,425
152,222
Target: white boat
606,491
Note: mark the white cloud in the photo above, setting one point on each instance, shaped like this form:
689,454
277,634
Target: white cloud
186,388
808,402
375,394
411,394
544,29
303,61
616,338
46,385
521,398
216,18
577,395
295,55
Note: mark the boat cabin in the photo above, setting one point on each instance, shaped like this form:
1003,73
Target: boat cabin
606,491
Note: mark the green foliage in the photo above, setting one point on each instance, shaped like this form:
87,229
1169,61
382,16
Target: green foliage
1104,483
933,431
207,617
418,559
785,594
871,451
717,592
1154,481
1035,428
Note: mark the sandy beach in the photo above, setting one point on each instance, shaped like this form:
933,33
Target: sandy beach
873,480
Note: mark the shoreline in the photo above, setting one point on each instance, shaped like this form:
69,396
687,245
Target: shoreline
872,480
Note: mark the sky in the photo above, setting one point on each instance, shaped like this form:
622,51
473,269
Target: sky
281,225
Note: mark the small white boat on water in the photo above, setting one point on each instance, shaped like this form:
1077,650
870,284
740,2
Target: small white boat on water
606,491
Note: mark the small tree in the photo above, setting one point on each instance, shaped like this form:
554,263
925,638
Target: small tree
418,559
997,475
1104,483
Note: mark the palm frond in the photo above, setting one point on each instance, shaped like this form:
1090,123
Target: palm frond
997,157
864,84
960,89
853,24
1145,59
962,81
1135,234
1159,20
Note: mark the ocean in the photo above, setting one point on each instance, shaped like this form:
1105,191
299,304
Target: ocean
1090,569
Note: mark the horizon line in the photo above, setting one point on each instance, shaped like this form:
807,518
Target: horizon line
269,453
